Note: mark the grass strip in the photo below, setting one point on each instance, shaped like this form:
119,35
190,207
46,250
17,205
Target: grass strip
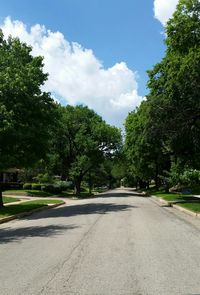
44,202
26,207
193,206
7,200
34,193
186,201
37,193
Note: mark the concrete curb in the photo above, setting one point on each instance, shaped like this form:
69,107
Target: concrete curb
23,214
186,211
163,203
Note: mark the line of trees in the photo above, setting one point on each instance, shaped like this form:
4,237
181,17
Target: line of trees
70,141
163,134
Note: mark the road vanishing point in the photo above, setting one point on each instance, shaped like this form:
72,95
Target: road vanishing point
118,243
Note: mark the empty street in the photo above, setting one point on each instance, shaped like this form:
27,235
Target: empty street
116,243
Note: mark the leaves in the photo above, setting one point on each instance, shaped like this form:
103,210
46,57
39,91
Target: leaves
25,111
166,126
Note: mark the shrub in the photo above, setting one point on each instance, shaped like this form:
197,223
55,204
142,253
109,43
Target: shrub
27,186
36,186
51,188
10,186
44,178
190,177
84,189
64,185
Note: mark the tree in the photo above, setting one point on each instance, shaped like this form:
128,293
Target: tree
164,131
25,111
143,147
83,141
175,85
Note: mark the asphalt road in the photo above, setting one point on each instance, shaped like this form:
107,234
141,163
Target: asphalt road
116,244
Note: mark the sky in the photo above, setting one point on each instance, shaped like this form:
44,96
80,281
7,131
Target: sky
96,52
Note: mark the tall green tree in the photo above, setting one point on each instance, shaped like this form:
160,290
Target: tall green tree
143,147
175,85
83,141
25,111
165,128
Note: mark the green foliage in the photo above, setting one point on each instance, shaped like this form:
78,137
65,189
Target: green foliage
191,177
165,128
119,167
44,178
7,200
83,140
36,186
51,188
26,207
64,185
26,110
183,29
27,186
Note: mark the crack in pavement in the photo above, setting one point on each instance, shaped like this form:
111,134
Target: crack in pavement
58,268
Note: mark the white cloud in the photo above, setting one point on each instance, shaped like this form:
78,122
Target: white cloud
163,9
77,76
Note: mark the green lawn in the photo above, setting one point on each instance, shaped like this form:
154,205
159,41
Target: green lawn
44,202
186,201
9,200
26,207
193,206
163,195
35,193
167,196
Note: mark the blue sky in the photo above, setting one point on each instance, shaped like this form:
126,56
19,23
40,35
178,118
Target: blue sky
111,32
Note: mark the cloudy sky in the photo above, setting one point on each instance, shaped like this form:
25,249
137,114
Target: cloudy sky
95,51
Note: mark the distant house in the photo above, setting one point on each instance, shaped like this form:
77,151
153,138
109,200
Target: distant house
9,175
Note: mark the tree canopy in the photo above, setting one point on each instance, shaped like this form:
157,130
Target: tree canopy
83,140
165,128
25,110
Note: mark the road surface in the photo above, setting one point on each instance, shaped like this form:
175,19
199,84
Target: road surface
117,244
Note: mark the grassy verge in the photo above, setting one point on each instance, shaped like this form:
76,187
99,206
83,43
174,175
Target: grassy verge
186,201
43,202
169,197
163,195
7,200
34,193
193,206
26,207
37,193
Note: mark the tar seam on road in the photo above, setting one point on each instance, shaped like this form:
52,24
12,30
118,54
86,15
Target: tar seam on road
102,212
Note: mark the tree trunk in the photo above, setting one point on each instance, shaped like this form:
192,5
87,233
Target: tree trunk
1,199
110,182
90,184
77,188
157,180
64,172
142,184
63,176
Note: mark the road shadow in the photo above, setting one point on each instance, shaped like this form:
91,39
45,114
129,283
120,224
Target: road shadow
81,209
15,235
127,194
